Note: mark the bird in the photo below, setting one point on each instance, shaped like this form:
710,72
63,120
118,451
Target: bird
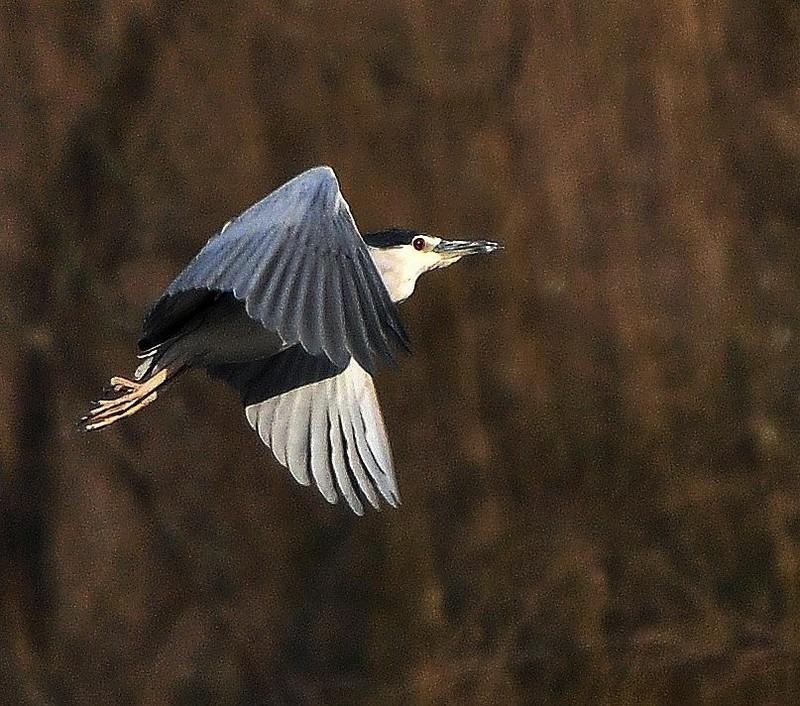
294,309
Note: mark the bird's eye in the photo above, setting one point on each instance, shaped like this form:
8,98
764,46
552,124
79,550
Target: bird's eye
419,243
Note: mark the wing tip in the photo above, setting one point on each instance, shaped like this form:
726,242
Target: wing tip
326,492
321,174
356,506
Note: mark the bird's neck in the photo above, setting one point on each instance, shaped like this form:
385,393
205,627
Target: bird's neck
398,272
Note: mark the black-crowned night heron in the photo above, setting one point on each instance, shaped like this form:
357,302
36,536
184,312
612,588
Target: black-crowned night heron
290,306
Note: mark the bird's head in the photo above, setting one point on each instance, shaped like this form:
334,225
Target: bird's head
402,255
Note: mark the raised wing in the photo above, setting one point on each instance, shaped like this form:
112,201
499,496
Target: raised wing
322,423
299,264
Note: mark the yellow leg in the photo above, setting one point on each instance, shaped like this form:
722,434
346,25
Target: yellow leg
137,397
114,415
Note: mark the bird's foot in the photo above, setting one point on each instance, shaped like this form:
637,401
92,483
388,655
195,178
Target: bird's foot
136,396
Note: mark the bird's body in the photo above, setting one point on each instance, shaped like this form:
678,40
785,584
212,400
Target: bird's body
290,306
219,332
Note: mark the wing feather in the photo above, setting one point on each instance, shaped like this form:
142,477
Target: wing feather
296,298
297,447
333,319
302,230
323,423
338,457
320,455
278,430
313,302
372,318
357,320
383,481
355,462
378,444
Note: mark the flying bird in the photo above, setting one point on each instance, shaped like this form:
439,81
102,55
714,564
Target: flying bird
290,306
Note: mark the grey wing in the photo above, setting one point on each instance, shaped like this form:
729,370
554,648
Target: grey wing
322,423
299,264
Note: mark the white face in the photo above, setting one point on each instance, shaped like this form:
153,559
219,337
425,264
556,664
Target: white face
400,266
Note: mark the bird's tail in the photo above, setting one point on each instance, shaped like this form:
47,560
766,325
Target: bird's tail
135,395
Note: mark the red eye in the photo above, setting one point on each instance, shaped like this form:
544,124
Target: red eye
418,243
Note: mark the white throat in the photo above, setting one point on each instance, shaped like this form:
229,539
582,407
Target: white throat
399,268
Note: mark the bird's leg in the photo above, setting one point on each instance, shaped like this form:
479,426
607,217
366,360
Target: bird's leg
137,395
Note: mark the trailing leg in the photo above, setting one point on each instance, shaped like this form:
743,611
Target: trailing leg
135,397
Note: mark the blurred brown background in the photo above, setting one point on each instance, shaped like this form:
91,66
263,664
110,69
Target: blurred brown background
597,439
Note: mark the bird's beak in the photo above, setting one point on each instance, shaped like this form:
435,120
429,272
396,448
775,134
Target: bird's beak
459,248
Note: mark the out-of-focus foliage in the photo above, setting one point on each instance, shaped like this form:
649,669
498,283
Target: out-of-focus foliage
597,438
